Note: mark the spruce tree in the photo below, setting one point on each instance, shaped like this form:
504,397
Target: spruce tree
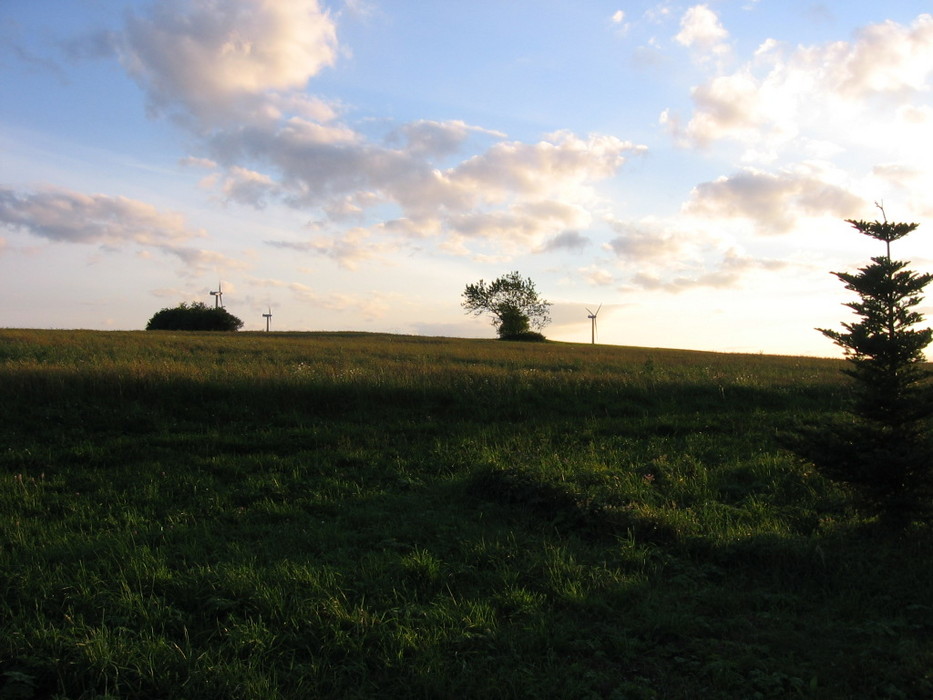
884,453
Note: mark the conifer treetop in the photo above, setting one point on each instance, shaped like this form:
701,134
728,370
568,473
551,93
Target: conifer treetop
882,230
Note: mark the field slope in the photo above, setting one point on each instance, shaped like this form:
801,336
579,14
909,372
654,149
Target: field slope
275,515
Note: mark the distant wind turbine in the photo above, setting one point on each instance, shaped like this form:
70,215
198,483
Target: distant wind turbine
218,297
268,318
592,316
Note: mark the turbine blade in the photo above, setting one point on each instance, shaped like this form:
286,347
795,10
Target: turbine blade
597,309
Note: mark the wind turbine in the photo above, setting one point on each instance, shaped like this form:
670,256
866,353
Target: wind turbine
592,316
268,318
218,296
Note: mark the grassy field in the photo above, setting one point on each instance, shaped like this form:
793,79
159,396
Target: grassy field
275,515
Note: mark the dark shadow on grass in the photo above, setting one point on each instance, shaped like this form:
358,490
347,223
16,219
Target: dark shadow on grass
380,560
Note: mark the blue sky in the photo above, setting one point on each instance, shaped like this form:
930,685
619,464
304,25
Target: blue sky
355,164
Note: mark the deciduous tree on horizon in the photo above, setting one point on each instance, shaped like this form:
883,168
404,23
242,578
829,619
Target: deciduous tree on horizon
512,302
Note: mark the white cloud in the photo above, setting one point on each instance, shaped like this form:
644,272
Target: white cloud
248,187
371,306
726,273
210,57
830,88
886,58
432,139
198,261
194,162
621,26
74,217
237,71
597,276
639,242
675,254
731,106
561,164
521,227
348,249
520,194
110,223
701,29
917,115
774,202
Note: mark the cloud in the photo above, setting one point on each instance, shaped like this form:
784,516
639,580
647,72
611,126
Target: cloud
701,29
318,168
773,201
725,274
73,217
109,222
902,176
197,261
248,187
830,87
371,306
673,255
432,139
729,106
209,58
597,276
618,19
571,241
235,73
195,162
886,58
917,115
348,248
515,192
644,241
560,163
520,227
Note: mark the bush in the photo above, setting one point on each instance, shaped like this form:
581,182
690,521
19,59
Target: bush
196,316
527,336
512,322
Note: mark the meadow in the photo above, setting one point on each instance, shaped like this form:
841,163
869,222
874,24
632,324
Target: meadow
295,515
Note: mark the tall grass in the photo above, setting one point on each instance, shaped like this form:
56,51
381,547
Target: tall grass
347,515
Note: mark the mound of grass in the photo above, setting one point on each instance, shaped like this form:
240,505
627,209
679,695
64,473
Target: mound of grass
348,515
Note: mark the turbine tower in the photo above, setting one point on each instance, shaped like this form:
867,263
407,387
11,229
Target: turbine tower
218,297
592,316
268,318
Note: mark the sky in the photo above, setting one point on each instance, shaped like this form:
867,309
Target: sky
354,164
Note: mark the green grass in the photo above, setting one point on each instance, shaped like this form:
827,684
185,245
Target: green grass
275,515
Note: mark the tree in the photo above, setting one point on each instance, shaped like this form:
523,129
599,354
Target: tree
512,302
194,317
885,452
